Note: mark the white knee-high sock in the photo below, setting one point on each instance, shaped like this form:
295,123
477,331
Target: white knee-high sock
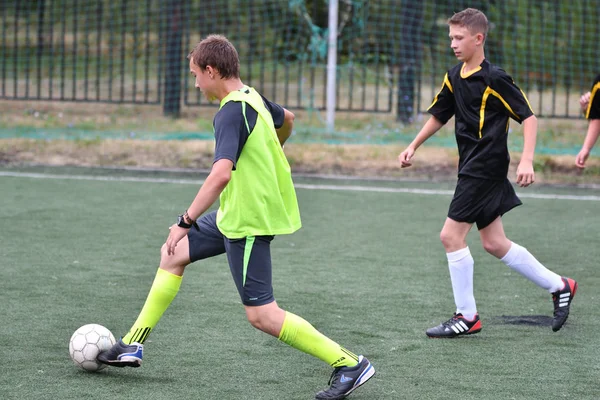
522,261
460,264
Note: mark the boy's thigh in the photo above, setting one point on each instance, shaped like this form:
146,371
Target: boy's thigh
455,228
250,263
481,201
207,241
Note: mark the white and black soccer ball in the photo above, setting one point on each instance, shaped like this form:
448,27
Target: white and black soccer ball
86,343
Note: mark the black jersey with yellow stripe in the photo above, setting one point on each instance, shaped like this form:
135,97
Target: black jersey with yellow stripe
593,109
481,101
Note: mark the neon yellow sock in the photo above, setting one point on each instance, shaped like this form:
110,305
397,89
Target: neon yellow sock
163,291
301,335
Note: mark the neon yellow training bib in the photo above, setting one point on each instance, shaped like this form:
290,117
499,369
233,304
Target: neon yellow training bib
260,198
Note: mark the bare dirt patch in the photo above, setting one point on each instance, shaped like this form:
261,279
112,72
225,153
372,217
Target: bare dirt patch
363,160
430,163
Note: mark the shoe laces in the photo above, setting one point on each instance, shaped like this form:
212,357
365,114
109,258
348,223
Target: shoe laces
452,320
335,377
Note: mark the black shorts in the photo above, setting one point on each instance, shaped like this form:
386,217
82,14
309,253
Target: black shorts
249,259
481,201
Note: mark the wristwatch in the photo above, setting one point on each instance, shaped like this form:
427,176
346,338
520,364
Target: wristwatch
181,222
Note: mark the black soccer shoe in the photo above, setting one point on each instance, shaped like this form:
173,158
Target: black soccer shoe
455,326
562,303
344,380
123,355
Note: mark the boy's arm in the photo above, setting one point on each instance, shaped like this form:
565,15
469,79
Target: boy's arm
209,192
590,140
517,107
285,131
230,137
525,174
592,113
431,127
441,110
282,119
211,189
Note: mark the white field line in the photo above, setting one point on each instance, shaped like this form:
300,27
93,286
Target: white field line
353,188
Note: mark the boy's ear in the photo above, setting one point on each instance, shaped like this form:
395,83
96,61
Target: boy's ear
479,39
210,70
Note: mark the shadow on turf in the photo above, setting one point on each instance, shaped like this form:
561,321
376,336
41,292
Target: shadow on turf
118,374
532,320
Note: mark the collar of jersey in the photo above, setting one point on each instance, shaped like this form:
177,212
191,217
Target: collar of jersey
468,74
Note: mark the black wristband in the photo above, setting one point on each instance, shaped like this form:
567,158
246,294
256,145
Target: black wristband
181,222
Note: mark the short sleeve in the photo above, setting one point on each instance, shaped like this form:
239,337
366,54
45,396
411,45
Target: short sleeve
593,110
276,112
231,132
443,105
511,96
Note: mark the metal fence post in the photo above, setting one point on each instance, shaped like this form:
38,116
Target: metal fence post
173,58
411,22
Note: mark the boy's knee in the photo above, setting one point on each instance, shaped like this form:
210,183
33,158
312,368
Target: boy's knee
257,319
267,318
449,240
497,248
172,263
444,237
489,246
164,255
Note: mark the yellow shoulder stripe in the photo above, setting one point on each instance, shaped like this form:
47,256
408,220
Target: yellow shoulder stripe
446,82
589,107
489,91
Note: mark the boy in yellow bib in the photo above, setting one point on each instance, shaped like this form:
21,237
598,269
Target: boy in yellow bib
252,178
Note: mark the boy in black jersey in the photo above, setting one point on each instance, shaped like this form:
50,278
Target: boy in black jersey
482,97
591,100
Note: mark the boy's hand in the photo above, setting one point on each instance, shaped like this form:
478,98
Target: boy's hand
525,174
405,157
584,101
176,233
582,158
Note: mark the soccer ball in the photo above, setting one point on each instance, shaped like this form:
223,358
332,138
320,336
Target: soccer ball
86,343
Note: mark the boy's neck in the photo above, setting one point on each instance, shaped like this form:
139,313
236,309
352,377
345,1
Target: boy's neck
229,86
473,62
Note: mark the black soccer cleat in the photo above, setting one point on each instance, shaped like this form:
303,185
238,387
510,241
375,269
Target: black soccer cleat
344,380
562,303
123,355
458,325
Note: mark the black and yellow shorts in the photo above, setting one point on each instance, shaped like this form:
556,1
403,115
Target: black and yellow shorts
249,259
481,201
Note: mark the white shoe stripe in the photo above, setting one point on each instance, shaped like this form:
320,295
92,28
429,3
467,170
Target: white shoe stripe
565,295
455,329
462,323
369,372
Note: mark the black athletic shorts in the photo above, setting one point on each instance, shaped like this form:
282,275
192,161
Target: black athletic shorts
481,201
249,259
